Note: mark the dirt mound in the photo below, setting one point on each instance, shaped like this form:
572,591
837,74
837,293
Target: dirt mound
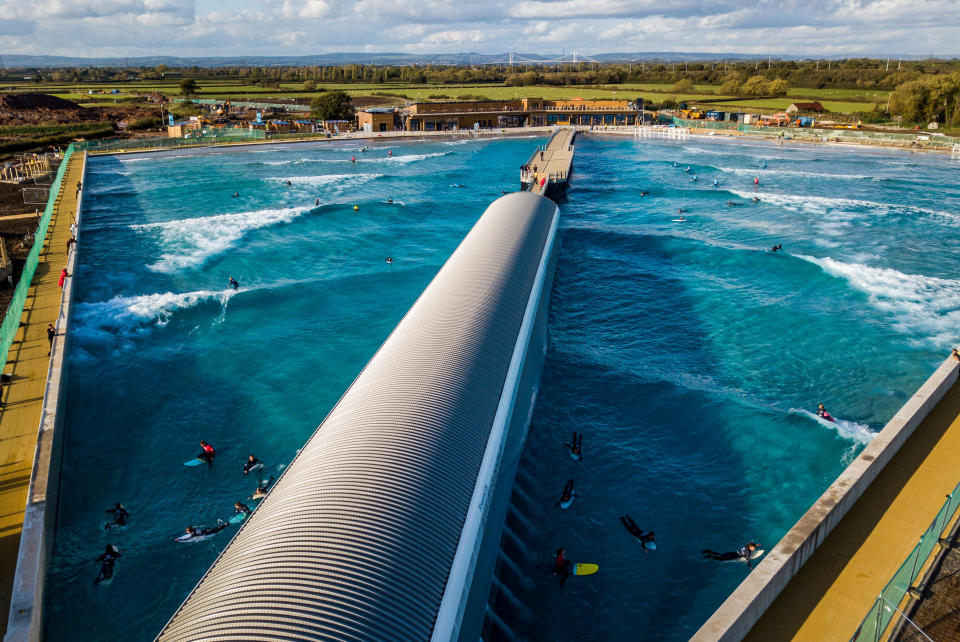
18,102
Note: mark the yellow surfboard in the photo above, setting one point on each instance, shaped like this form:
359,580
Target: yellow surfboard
585,569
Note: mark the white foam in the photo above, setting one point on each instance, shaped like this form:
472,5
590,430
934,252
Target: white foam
847,207
187,243
756,171
851,430
920,304
145,309
326,179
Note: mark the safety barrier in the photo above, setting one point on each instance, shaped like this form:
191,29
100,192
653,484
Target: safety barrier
162,142
888,602
11,322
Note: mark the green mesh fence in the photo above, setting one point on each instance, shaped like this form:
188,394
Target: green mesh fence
11,322
883,610
204,137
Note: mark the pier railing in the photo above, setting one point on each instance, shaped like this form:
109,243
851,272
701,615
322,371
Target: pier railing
888,603
11,321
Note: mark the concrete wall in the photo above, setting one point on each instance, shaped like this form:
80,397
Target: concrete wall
744,607
25,622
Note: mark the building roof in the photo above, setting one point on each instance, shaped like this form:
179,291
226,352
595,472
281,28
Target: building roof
380,110
357,537
814,106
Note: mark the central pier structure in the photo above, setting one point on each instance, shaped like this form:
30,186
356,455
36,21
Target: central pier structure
387,524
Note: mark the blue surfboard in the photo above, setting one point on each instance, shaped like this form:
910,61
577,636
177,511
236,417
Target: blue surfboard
194,462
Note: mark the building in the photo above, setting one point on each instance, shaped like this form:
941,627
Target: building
183,128
444,116
377,119
304,126
805,107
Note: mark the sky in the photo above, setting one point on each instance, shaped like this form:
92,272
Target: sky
814,28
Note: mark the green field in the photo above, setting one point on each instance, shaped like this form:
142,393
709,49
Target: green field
836,100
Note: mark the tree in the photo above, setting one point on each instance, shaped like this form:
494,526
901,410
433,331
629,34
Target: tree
188,87
335,105
309,85
778,87
755,86
683,86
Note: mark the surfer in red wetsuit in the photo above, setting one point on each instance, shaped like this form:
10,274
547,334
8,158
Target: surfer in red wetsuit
822,412
561,566
207,453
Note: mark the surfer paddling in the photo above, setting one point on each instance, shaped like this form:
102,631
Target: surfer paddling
822,412
120,516
252,463
561,566
567,497
207,453
746,554
646,538
107,561
191,533
576,446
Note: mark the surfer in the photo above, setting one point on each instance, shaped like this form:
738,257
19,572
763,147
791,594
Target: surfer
567,497
241,509
576,447
207,453
687,171
955,354
251,464
764,165
694,179
561,566
716,183
316,203
107,560
192,533
681,219
741,553
644,192
390,201
236,195
822,412
676,164
389,152
120,516
289,183
645,537
777,248
389,259
234,283
756,182
733,203
262,488
756,199
680,210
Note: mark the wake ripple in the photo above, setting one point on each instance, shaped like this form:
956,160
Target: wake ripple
851,430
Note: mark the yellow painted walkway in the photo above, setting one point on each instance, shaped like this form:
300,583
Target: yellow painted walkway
835,589
27,361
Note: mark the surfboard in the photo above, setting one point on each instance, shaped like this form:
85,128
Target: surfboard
827,416
585,569
757,553
574,456
194,462
650,546
256,467
236,519
679,220
565,505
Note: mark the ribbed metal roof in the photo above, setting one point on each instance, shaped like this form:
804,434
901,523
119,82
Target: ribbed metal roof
356,539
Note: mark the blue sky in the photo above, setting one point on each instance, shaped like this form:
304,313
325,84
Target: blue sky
295,27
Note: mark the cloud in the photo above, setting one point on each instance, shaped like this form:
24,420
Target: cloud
294,27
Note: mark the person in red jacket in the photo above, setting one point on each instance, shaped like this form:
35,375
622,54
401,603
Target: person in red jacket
207,453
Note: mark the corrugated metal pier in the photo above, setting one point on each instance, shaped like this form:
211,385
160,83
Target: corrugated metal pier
387,524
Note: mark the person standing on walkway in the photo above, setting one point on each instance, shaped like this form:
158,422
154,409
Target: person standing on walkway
70,243
51,333
63,277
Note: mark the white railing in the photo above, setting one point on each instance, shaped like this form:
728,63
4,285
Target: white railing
661,131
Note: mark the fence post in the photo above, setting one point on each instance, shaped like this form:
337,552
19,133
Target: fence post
913,572
946,514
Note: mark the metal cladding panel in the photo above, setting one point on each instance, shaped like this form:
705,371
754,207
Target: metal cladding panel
356,539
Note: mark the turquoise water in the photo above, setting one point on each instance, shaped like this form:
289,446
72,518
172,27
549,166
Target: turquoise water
686,353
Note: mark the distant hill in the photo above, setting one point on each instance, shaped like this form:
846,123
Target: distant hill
23,61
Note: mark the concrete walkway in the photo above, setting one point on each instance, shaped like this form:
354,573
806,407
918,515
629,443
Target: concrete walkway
28,361
557,159
837,586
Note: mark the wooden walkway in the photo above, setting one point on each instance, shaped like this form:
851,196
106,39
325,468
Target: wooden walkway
554,163
27,362
837,586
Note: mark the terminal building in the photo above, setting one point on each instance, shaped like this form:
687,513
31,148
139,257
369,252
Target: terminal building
526,112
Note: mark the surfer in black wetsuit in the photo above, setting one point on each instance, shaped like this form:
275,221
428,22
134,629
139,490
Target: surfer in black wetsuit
234,283
120,516
239,508
192,533
107,560
733,203
741,553
821,411
289,183
777,248
250,464
633,529
236,195
644,192
567,496
576,446
262,488
561,566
